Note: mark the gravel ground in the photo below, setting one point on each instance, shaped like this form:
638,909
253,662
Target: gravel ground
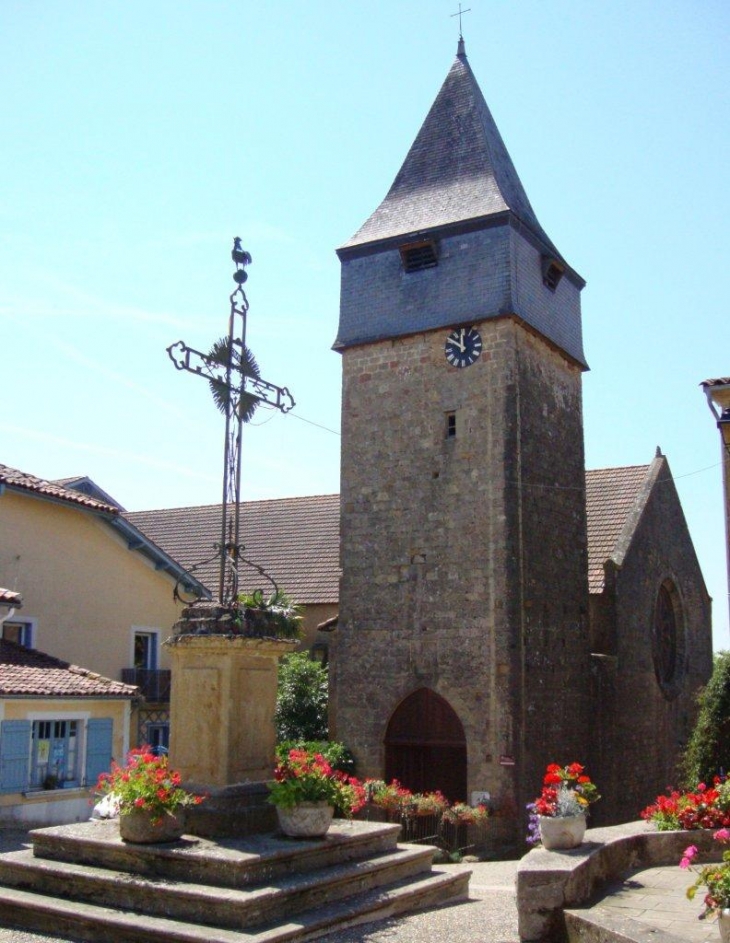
489,916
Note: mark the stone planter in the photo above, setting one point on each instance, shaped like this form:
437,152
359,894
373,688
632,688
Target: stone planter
306,820
138,827
562,833
723,923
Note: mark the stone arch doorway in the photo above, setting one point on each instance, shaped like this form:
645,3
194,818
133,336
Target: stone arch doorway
425,746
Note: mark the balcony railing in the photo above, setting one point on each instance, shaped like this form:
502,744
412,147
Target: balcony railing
153,683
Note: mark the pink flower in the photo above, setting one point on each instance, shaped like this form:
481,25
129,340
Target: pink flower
689,854
723,834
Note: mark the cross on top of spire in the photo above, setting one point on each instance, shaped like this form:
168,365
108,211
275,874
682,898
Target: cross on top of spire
460,13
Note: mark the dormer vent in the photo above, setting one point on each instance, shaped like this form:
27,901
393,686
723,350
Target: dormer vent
552,272
416,256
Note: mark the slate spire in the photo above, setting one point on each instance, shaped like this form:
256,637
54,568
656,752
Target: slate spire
457,169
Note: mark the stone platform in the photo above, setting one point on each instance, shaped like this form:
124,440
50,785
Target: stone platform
83,882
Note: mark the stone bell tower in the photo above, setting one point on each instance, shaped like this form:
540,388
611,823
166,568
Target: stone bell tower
462,657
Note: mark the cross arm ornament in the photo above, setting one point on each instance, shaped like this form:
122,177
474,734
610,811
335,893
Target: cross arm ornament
202,365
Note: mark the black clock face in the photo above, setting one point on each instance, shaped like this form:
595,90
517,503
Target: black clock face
463,346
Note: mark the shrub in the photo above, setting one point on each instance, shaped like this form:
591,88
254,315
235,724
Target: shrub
301,702
708,750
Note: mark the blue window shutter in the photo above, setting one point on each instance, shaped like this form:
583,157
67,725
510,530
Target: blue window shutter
14,755
98,748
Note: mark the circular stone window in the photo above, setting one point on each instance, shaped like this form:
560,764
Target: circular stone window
667,642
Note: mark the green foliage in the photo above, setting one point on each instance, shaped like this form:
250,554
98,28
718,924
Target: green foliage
147,783
714,877
276,616
301,702
336,754
307,777
708,750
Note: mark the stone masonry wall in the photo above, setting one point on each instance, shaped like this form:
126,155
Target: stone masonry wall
550,622
464,558
642,731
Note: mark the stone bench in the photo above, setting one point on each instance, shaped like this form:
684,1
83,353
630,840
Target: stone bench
549,882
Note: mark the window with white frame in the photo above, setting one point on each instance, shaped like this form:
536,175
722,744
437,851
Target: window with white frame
55,753
47,752
146,646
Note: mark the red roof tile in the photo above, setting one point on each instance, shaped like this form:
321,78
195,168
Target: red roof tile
611,494
295,540
9,598
22,481
29,673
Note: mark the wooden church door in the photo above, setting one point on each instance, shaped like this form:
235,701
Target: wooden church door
425,746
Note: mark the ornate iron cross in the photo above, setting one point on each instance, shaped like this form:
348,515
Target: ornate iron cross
237,389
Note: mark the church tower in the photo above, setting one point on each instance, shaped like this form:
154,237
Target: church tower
462,656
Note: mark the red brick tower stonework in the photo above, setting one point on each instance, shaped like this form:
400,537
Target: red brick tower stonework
462,657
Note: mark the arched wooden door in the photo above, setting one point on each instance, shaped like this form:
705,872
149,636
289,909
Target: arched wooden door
425,746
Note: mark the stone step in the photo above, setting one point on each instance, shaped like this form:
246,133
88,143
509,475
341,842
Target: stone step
204,904
234,862
86,921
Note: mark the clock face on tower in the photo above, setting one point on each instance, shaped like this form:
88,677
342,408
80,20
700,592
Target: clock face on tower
463,346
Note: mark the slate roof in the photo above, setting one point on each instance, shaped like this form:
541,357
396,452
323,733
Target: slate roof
457,169
25,672
10,598
22,481
611,496
87,486
719,381
295,540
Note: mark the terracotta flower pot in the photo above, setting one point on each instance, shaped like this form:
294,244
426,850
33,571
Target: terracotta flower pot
139,828
562,833
306,820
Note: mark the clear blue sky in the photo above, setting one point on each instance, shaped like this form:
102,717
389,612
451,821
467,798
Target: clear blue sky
139,138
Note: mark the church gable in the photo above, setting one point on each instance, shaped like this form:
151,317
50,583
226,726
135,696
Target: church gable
651,639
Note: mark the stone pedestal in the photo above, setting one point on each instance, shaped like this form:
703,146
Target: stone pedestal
222,701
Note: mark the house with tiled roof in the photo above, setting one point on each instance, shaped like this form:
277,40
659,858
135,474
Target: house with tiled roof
61,726
295,541
96,591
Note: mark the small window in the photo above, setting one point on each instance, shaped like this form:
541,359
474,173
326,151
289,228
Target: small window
19,631
145,650
450,425
552,272
55,755
157,737
419,255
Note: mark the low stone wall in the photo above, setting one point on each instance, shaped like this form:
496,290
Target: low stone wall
548,882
